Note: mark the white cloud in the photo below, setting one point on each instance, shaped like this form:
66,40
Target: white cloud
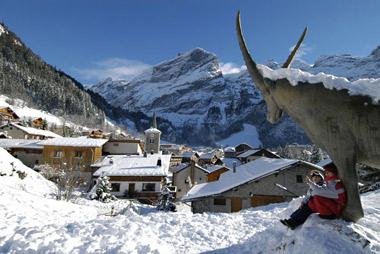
116,68
231,68
302,51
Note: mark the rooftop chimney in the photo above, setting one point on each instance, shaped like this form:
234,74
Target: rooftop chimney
234,167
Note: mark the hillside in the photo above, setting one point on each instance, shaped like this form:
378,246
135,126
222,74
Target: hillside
24,75
34,222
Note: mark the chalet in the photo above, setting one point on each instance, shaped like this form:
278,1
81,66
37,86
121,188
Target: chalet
128,146
135,176
190,156
250,185
229,152
98,134
77,154
38,123
29,151
186,175
209,159
241,148
18,131
214,172
253,154
8,115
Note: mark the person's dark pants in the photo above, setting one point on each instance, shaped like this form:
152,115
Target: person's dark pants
300,215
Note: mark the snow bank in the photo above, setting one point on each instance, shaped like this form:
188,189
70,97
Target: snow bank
11,169
366,87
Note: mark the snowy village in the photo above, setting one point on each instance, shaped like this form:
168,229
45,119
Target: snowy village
150,143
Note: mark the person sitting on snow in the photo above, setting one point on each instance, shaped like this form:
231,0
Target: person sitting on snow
326,198
330,200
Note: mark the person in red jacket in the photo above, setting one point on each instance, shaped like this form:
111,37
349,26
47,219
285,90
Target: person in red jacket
327,199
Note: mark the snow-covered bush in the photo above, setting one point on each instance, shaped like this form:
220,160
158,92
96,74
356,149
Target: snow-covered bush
102,190
67,180
166,200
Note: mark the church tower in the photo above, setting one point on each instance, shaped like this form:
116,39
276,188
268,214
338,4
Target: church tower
152,137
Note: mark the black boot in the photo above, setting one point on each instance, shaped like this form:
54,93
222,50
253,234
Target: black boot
288,223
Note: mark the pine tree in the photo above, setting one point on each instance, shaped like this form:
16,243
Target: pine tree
316,154
166,200
102,190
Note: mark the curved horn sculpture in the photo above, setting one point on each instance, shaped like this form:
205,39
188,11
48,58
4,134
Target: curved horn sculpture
346,126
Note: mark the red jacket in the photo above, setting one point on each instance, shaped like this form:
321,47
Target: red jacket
328,199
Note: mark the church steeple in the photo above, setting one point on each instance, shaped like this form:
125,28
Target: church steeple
154,121
152,137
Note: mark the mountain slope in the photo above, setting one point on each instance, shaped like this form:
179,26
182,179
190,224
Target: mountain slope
26,76
194,96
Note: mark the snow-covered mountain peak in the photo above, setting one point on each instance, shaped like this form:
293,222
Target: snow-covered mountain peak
193,63
376,53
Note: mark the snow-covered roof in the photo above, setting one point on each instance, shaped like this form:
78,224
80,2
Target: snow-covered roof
20,143
229,162
206,156
324,162
364,87
213,168
248,153
182,166
152,130
229,149
77,142
134,165
245,173
188,154
34,131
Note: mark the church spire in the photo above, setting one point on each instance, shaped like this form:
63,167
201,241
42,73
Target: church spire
154,121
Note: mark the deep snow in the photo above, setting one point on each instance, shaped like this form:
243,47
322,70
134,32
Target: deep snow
31,222
365,87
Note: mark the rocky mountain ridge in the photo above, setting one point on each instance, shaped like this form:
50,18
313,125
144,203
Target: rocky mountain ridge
194,96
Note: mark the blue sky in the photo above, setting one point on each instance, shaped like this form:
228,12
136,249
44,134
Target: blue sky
94,39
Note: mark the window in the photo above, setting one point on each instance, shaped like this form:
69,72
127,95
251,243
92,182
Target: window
299,179
58,154
115,144
149,187
151,140
115,187
219,201
78,154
